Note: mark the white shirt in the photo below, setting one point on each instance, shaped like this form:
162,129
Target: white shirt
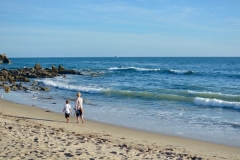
67,108
79,103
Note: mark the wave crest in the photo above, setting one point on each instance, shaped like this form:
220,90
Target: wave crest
216,103
226,97
64,85
134,69
181,71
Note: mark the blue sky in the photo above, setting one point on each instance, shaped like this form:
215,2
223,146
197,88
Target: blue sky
131,28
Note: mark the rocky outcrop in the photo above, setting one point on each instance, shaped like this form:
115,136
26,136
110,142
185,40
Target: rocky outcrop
23,74
11,79
4,59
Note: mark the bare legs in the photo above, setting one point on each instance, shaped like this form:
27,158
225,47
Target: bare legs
78,118
68,120
82,119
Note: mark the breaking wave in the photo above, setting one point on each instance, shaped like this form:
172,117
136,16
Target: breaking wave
134,69
216,103
171,71
181,71
64,85
212,95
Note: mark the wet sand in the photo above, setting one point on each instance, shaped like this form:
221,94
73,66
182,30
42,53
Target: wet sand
28,132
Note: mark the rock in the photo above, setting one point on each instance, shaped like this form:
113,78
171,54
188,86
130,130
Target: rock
25,75
12,81
34,83
2,78
93,74
61,68
37,66
54,68
114,152
2,56
7,88
25,79
6,60
44,88
13,87
36,139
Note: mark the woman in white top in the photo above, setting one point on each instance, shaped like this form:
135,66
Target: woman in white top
79,107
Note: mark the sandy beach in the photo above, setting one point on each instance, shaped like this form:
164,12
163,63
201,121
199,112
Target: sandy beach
28,132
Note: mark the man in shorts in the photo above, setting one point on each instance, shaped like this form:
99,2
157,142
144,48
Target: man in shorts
79,108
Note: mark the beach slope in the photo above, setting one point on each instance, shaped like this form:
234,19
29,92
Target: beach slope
28,132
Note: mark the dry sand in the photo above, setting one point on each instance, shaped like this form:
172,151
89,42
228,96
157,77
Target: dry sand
33,133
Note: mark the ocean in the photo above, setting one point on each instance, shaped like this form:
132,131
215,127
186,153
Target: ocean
193,97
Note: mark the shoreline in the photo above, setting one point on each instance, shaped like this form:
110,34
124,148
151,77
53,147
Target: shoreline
115,141
117,125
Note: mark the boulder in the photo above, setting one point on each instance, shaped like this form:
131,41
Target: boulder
6,60
11,79
70,71
7,88
25,79
2,78
54,68
44,88
13,87
37,66
61,68
34,83
21,87
2,56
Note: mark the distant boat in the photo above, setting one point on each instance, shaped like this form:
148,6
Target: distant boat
116,56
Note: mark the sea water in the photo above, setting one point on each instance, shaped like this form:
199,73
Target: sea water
190,97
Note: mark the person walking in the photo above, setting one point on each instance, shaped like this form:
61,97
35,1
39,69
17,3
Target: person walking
67,109
79,108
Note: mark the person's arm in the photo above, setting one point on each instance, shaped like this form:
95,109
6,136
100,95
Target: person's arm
76,104
63,109
81,105
82,110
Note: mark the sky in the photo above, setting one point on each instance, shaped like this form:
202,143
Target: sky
124,28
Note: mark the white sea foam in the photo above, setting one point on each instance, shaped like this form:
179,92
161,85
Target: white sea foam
216,103
212,93
64,85
180,71
217,95
134,68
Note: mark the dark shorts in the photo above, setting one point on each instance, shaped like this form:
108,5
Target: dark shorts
78,113
67,115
